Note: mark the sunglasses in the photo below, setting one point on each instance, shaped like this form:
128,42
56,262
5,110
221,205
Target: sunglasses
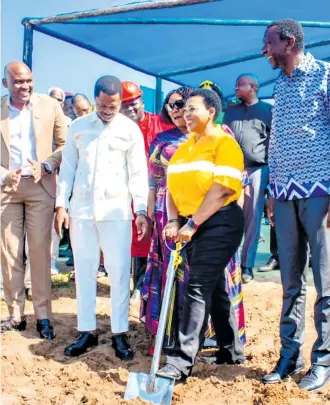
178,104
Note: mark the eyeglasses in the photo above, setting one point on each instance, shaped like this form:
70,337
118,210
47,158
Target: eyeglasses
178,104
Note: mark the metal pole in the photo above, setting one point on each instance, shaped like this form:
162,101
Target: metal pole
233,61
136,6
178,21
28,44
158,98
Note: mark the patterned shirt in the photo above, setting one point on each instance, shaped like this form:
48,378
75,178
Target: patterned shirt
299,147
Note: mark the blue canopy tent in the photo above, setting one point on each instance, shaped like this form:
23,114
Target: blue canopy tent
188,41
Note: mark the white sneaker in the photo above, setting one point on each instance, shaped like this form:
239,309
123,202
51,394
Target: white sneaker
54,269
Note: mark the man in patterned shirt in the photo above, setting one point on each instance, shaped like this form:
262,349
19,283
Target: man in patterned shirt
299,163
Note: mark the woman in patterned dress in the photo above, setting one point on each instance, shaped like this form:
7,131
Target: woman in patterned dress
162,149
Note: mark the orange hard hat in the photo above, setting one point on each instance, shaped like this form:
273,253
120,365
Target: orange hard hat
130,91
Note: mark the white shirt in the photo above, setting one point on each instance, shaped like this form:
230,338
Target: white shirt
22,139
104,167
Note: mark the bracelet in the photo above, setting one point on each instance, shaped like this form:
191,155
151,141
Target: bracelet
141,212
172,220
192,224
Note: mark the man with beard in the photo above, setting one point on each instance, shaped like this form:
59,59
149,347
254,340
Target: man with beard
150,124
104,168
32,136
250,122
299,163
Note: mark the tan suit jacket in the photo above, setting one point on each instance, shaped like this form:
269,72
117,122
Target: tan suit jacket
50,128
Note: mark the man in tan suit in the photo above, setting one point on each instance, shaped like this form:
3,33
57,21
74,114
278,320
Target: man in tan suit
30,123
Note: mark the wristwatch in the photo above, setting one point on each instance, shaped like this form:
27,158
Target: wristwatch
192,224
141,212
47,167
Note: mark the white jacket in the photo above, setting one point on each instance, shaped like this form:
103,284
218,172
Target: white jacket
103,167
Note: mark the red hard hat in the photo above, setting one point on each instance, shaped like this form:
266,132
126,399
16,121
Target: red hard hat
130,91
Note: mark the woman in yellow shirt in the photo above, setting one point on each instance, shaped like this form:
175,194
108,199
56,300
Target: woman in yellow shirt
204,182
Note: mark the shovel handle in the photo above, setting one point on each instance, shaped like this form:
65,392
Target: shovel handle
163,317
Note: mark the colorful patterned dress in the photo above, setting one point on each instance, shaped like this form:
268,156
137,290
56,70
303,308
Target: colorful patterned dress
162,149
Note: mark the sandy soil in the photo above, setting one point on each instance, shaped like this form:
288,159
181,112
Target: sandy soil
37,372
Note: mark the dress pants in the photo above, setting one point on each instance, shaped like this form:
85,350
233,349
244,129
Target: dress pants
209,252
54,249
273,243
299,222
253,209
28,210
114,238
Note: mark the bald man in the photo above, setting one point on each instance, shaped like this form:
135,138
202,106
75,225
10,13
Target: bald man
31,123
81,105
250,122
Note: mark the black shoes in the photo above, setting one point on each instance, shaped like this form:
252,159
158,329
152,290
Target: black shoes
171,372
284,368
271,265
101,271
12,324
122,347
315,378
45,329
84,341
222,356
247,274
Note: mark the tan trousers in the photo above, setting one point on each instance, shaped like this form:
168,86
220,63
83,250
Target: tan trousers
30,208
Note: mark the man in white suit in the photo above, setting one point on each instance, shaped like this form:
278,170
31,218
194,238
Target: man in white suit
104,167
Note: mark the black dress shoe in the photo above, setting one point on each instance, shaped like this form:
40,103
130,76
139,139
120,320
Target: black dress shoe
84,341
12,324
284,368
315,378
271,265
222,356
122,347
45,329
169,371
247,274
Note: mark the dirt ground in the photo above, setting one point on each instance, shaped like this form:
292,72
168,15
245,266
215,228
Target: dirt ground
37,372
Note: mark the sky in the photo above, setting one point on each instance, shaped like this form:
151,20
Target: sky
57,63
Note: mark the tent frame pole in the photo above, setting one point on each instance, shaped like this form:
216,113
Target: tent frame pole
158,98
28,44
233,61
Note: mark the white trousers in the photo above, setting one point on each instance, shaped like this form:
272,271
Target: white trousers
87,239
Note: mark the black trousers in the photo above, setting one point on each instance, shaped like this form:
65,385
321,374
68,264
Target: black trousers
301,223
273,243
208,253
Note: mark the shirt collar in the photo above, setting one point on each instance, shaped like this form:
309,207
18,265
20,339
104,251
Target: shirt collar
97,119
217,131
307,63
13,108
304,66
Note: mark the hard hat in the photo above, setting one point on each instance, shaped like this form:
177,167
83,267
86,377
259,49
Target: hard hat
130,91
